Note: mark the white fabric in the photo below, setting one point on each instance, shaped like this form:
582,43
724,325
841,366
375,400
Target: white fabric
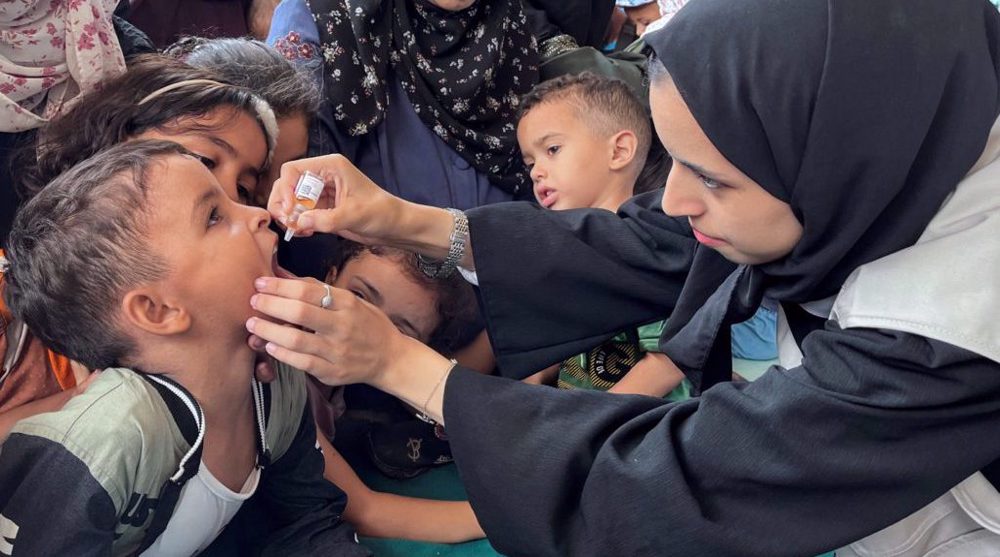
204,508
946,287
789,354
470,276
941,529
667,10
51,50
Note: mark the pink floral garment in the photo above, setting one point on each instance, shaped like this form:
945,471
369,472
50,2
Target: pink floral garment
50,51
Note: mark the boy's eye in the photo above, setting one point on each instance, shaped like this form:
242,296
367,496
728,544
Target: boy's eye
214,217
553,149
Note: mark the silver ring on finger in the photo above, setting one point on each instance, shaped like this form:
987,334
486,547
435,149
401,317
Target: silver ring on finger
327,300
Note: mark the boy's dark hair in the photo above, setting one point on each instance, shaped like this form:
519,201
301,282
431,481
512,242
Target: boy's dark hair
101,119
252,64
456,299
606,104
78,246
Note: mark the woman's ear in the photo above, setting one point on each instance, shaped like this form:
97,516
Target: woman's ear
624,148
147,309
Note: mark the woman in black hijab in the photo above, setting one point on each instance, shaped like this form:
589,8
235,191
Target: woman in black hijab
835,157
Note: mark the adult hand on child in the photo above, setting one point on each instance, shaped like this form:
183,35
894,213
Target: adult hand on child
264,367
351,341
351,205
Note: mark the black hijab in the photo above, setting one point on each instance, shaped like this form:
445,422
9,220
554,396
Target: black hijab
464,72
862,115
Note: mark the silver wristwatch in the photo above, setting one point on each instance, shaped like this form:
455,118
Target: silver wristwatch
459,238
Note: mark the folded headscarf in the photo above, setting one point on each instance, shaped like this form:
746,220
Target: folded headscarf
50,52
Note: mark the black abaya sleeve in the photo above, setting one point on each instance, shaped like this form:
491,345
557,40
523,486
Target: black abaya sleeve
557,283
875,425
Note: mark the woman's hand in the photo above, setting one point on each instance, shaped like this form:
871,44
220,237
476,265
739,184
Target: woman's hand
351,205
351,341
354,207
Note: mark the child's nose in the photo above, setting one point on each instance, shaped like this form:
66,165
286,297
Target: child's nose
259,218
537,172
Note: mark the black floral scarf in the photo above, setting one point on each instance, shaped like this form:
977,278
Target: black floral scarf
464,72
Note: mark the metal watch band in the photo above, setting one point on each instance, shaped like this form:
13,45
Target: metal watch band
459,238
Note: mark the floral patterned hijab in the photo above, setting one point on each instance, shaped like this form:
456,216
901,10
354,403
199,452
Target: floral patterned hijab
50,51
464,72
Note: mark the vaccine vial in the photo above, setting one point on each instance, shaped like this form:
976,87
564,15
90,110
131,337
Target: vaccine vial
307,192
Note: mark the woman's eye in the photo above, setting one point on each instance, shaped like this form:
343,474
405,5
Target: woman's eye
359,294
553,149
708,182
214,217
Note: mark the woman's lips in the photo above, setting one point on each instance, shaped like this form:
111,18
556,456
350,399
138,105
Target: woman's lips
707,240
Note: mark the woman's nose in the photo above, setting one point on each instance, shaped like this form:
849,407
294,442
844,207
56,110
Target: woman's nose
682,195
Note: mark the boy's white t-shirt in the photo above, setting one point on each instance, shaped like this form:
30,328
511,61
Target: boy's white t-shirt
204,508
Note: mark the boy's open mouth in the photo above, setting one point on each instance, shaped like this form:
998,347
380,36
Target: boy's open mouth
547,196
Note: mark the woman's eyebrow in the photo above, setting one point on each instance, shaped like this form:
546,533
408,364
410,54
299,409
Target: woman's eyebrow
700,170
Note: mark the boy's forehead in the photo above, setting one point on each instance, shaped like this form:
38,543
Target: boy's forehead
564,114
177,180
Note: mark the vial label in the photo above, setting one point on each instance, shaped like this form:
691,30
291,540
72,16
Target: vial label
310,186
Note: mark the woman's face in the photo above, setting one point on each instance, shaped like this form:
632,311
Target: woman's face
228,141
728,211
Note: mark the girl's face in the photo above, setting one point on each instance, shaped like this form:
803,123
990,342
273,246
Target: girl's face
228,141
293,144
380,281
728,211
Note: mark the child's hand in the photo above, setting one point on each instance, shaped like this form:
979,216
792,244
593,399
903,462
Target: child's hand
351,205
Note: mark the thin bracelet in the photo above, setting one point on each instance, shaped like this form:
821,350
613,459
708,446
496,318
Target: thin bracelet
422,415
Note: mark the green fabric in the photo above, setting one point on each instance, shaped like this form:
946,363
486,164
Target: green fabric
438,483
620,352
751,370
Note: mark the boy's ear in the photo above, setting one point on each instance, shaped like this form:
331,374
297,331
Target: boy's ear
147,309
624,145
